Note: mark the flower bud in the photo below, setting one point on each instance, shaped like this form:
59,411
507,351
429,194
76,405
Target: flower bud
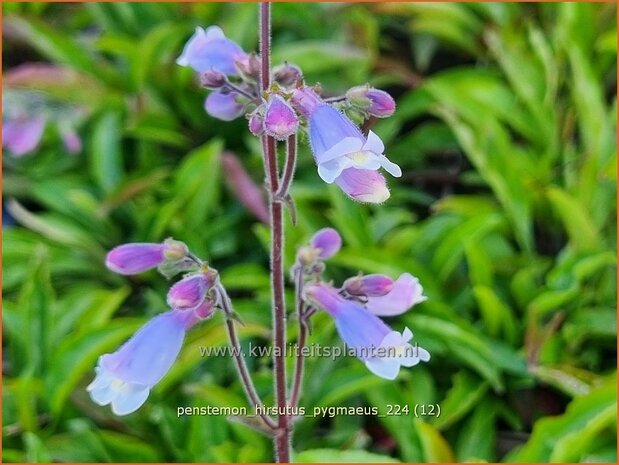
280,120
305,100
205,309
327,241
256,123
372,285
174,250
287,74
189,293
375,101
249,65
135,258
213,79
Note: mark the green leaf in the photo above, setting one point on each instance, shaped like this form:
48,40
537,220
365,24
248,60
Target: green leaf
106,164
341,456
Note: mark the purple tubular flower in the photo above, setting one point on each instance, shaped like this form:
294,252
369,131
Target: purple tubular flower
405,293
210,49
381,349
189,293
371,285
224,106
125,378
280,120
327,241
135,257
22,136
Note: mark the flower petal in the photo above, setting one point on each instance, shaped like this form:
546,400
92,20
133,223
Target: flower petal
130,398
386,368
406,292
374,143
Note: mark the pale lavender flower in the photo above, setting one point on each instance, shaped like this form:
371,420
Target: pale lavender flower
327,242
210,50
382,349
406,292
22,135
225,107
124,379
280,120
338,144
189,293
371,285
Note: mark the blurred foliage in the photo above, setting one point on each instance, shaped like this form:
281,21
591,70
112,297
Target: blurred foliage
505,131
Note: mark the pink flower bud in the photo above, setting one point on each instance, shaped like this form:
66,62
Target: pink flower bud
244,187
189,293
327,241
256,123
280,120
375,101
372,285
135,258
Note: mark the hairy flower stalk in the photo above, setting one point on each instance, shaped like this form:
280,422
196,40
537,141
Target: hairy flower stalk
283,435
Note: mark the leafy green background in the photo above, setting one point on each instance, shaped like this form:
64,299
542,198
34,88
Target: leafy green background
505,130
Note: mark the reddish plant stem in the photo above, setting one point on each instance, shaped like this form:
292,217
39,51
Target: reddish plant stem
283,433
301,340
246,379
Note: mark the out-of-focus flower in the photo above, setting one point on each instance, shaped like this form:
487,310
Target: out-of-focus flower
371,285
22,135
71,140
213,79
225,107
381,349
374,101
124,379
244,188
189,293
210,50
137,257
406,292
280,120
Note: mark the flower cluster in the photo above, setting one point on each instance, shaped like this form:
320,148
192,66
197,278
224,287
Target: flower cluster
343,154
357,305
125,378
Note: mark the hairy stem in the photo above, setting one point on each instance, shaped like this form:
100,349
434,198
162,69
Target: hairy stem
289,167
246,380
283,433
301,341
